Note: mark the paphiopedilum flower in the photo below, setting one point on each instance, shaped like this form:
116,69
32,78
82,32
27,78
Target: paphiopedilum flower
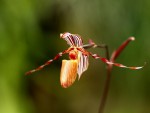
79,58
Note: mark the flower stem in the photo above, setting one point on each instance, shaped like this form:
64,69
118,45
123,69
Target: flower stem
105,92
114,55
107,85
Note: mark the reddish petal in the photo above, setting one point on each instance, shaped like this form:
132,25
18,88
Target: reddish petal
121,48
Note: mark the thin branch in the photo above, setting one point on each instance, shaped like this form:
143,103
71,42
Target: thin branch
105,91
107,85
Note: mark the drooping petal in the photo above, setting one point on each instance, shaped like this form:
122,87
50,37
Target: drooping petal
95,56
82,63
68,72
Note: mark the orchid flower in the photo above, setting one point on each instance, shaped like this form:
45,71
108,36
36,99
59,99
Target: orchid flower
78,59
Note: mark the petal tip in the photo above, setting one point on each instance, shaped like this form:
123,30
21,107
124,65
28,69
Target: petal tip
132,38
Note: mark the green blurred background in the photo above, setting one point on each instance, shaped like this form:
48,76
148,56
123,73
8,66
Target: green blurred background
29,36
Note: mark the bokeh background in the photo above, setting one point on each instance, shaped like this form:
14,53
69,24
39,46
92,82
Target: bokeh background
29,36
